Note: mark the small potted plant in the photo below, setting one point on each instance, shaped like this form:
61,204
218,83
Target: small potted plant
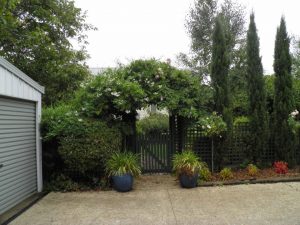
123,167
187,166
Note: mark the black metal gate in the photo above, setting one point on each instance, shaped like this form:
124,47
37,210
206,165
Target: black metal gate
155,152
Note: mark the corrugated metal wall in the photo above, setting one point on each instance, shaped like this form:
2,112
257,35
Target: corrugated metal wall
18,174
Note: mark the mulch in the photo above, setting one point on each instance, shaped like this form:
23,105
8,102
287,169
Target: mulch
241,176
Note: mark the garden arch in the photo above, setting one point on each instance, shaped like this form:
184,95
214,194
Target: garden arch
118,93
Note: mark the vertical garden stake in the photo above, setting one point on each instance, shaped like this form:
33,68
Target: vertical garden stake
212,154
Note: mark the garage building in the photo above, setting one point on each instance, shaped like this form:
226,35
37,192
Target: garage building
20,143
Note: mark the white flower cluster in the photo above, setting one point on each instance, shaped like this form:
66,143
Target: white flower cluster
116,94
294,113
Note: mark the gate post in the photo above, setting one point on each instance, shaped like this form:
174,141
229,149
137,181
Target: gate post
180,132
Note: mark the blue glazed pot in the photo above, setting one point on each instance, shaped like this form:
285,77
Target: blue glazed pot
188,181
123,183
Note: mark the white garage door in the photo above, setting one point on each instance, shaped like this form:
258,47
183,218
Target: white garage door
18,174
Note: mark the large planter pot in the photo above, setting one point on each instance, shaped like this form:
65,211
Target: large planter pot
123,183
188,181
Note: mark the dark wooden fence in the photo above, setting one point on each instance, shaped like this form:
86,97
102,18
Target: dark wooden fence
156,151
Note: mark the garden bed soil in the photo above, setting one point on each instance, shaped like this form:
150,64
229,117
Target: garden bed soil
264,176
167,181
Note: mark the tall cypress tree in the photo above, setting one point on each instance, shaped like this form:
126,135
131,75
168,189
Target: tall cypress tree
219,81
283,100
257,96
219,72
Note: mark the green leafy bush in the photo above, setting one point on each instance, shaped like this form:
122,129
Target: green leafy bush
226,174
241,120
212,125
89,149
186,163
205,174
62,183
155,123
56,121
123,163
75,143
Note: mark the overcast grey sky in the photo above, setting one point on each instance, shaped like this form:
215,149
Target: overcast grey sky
132,29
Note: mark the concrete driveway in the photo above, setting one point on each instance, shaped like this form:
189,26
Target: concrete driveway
160,203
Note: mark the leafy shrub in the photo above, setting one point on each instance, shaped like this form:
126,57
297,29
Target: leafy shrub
155,123
123,163
89,149
205,174
226,174
56,121
294,124
212,125
62,183
241,120
281,167
252,170
75,143
186,163
245,163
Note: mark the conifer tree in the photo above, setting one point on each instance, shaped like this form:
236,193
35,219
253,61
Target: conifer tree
283,99
219,72
256,94
219,81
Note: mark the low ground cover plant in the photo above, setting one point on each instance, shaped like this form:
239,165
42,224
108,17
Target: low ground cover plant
205,174
252,170
280,167
226,174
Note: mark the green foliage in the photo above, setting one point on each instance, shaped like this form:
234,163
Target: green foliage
296,93
200,25
121,92
205,174
294,124
226,174
89,149
36,38
82,145
62,183
167,87
241,120
296,60
59,121
252,170
187,163
270,92
155,123
219,73
110,96
212,125
269,88
283,100
257,96
245,163
123,163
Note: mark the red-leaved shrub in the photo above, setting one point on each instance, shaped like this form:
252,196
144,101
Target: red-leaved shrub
281,167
